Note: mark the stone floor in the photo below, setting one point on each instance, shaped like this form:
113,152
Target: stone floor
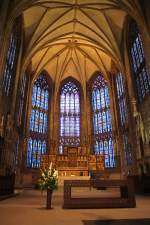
28,208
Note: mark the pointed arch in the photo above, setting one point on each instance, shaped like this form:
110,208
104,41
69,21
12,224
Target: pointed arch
70,125
123,116
137,60
101,119
38,128
12,56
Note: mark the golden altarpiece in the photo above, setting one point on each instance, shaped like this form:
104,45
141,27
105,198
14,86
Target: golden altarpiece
74,161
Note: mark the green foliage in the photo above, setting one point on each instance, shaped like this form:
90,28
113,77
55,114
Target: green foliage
48,179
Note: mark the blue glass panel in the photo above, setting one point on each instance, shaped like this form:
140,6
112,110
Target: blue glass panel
121,98
46,99
42,102
38,154
32,119
102,119
29,153
38,97
34,154
72,103
134,60
69,115
96,148
62,102
123,116
67,103
61,149
142,83
38,119
61,125
41,123
44,147
77,103
45,123
9,66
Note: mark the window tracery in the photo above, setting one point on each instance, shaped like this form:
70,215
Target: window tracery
11,59
37,141
102,126
123,117
69,115
138,63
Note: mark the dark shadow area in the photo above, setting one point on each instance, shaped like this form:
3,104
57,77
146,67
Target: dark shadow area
118,222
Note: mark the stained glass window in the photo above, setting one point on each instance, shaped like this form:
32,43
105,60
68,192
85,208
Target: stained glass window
123,117
139,67
121,98
102,120
21,98
37,141
11,59
69,115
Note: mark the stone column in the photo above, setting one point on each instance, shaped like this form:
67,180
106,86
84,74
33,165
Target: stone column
89,122
54,148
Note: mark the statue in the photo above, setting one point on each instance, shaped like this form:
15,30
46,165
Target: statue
139,123
140,128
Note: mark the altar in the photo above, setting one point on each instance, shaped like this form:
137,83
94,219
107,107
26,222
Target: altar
74,162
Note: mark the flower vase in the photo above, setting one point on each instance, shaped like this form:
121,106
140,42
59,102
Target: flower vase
49,198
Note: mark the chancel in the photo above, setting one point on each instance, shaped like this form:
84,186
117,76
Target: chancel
75,97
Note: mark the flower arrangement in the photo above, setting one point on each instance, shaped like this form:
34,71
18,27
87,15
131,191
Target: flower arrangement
48,179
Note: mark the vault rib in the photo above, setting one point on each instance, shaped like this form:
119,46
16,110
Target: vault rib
40,61
87,55
37,40
97,44
38,24
64,64
101,61
54,56
86,14
78,61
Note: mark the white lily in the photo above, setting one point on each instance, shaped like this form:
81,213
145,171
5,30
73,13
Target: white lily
55,174
50,169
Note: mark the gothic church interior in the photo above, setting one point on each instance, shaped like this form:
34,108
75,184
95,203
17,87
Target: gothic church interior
74,84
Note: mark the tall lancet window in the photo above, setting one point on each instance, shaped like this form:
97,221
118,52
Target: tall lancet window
123,117
102,126
121,98
11,59
37,142
69,115
140,72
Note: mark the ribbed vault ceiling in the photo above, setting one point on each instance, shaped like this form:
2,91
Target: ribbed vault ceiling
73,37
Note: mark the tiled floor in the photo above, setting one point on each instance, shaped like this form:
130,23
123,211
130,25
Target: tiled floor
28,208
